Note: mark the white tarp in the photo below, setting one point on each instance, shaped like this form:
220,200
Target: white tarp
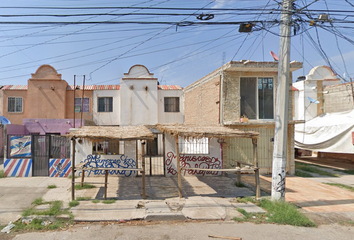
331,132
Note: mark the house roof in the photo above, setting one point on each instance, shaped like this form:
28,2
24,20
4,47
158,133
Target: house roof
199,131
169,87
14,87
112,133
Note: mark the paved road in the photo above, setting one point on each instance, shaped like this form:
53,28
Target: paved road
182,230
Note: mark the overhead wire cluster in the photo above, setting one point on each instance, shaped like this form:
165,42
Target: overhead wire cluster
41,27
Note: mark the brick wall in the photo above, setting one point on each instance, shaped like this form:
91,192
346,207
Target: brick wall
338,99
202,101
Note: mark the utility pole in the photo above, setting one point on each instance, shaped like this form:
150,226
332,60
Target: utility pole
282,104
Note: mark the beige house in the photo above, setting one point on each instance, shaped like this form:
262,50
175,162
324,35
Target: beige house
241,95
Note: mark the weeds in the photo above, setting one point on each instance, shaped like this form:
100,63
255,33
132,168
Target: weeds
84,186
95,201
38,201
83,198
2,174
240,185
74,203
246,199
284,213
348,171
109,201
313,169
302,174
347,187
52,186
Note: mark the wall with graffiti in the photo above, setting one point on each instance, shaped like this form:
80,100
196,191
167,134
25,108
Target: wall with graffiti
59,167
109,161
209,161
18,167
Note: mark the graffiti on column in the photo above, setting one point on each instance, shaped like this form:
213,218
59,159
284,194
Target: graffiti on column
95,161
193,161
280,184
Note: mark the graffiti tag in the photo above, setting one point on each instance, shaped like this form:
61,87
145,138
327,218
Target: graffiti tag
192,161
94,161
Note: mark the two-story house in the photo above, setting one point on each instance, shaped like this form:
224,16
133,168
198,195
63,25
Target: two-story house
241,95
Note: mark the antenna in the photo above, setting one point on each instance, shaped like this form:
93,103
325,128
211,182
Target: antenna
275,57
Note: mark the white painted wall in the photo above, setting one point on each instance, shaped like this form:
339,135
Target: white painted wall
106,118
211,160
170,117
138,93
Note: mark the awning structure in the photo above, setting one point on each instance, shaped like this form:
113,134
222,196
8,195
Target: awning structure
113,133
330,132
212,131
104,133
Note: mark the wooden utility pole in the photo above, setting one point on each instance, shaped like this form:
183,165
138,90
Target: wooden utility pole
282,104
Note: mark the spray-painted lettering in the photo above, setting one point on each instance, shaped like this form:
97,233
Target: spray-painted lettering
94,161
193,161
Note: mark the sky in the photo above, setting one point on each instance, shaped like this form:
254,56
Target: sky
37,32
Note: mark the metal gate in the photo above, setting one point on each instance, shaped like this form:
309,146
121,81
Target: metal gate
40,155
154,157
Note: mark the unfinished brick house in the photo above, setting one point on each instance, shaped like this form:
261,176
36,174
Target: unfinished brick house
241,95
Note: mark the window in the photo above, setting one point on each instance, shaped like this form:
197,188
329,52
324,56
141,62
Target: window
257,98
85,106
171,104
194,145
108,147
14,104
105,104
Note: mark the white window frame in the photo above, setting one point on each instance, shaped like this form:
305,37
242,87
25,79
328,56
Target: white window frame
16,98
194,146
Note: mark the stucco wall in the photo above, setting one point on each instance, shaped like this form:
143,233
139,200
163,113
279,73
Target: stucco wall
170,117
207,161
69,109
106,118
15,117
138,105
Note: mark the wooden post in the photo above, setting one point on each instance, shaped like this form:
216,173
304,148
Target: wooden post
238,174
150,143
163,152
82,177
105,184
137,156
178,168
256,171
73,169
143,166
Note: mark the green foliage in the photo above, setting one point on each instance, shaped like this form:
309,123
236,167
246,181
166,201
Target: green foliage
349,171
240,185
109,201
347,187
302,174
2,174
84,186
282,212
246,199
52,186
38,201
313,169
74,203
95,201
83,198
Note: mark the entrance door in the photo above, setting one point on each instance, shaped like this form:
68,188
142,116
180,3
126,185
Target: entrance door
40,154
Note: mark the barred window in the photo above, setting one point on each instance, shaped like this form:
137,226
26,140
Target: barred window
194,145
14,104
171,104
85,106
105,104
